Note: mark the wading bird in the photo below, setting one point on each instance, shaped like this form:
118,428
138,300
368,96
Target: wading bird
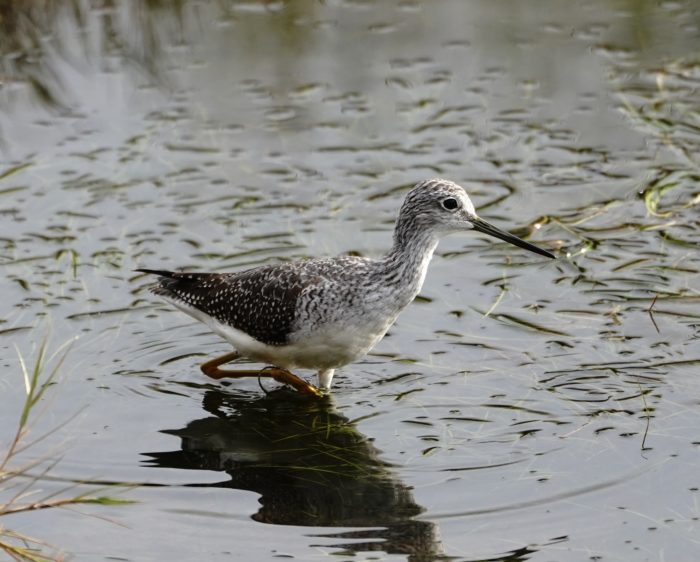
324,313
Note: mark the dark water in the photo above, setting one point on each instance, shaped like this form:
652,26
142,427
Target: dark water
519,410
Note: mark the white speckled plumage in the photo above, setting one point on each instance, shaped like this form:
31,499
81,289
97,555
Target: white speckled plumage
325,313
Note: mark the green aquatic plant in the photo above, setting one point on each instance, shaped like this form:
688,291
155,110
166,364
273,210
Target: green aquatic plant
18,483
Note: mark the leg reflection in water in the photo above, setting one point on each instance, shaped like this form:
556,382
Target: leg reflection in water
311,467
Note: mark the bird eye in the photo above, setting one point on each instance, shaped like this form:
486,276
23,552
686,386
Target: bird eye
450,204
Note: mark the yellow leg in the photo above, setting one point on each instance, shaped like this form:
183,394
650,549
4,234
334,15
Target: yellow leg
211,369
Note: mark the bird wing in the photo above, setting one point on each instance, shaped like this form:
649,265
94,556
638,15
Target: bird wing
261,302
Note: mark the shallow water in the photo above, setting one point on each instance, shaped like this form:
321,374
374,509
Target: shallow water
521,409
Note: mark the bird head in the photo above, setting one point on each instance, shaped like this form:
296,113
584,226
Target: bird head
442,207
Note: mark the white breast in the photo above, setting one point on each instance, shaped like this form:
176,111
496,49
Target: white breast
332,347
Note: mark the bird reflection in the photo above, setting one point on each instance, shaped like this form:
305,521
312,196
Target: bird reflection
311,467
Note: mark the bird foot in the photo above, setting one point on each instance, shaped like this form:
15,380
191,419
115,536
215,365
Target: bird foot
212,370
286,377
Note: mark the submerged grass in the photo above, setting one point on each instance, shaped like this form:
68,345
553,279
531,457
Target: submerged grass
17,484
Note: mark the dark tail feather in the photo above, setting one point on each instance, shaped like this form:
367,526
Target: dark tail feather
161,272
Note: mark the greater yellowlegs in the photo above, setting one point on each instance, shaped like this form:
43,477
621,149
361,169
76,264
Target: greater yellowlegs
324,313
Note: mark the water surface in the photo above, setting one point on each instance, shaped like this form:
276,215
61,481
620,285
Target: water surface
521,409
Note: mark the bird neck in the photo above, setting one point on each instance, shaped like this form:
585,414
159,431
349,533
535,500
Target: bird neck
407,263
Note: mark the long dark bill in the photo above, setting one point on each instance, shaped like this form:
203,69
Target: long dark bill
481,225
